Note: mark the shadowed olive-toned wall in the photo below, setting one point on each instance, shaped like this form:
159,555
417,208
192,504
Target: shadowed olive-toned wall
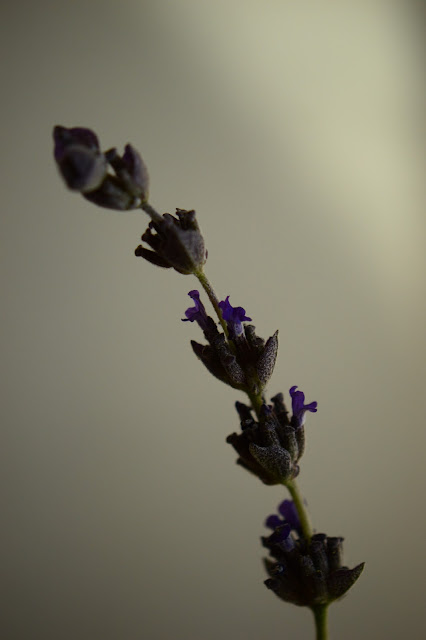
296,130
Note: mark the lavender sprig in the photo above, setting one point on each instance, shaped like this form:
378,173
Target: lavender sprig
305,568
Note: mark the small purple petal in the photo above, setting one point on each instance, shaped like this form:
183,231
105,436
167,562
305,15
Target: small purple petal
297,399
283,526
233,316
197,312
191,313
272,522
312,407
288,510
281,533
299,408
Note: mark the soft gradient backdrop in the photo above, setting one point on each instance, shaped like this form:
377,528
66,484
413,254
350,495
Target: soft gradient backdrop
296,130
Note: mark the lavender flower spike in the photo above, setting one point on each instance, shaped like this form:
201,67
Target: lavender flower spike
198,312
233,316
299,408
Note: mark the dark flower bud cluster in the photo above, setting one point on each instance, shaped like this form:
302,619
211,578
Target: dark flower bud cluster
118,182
305,572
176,242
243,360
86,169
272,446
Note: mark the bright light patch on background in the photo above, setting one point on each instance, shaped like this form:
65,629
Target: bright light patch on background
341,84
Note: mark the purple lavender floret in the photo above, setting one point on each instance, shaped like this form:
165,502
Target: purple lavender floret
290,517
273,521
299,408
234,317
288,510
282,536
198,312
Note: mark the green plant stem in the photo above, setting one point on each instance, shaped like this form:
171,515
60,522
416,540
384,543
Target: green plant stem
256,400
205,283
321,621
153,214
297,497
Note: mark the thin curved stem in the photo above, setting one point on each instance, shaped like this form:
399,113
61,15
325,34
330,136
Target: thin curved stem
321,621
153,214
302,512
205,283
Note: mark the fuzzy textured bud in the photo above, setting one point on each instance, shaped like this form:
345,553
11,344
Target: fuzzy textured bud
246,361
176,242
266,363
271,447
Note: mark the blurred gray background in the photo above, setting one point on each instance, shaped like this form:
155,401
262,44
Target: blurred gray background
296,131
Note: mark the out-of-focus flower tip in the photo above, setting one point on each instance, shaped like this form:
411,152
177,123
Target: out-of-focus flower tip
78,157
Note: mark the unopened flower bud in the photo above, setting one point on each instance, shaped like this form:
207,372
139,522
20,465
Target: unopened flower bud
176,241
85,169
112,194
131,170
266,363
79,159
137,169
